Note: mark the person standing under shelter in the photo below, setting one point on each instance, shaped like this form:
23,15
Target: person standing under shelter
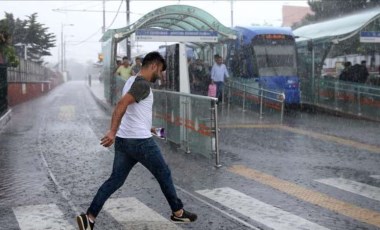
219,74
125,70
345,75
137,66
131,131
363,75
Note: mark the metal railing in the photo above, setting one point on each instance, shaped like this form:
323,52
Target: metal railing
190,121
352,98
247,95
28,71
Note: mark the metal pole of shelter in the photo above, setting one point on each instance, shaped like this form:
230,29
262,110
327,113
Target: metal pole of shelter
313,70
128,46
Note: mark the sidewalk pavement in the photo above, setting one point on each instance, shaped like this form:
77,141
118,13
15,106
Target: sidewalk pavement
97,91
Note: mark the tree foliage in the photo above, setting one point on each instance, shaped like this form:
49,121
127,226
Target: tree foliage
32,33
7,51
327,9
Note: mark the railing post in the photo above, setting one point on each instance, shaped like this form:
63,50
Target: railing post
185,117
319,86
223,94
229,93
261,102
282,107
359,103
336,85
216,133
244,94
166,115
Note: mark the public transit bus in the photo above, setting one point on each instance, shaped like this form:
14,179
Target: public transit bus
266,57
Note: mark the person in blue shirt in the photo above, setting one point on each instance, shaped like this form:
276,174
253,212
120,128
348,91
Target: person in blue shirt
219,74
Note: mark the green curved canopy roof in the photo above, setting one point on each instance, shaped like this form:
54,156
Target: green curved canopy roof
338,29
174,17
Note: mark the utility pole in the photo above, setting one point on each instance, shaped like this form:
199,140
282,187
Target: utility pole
128,45
232,13
104,17
64,53
63,46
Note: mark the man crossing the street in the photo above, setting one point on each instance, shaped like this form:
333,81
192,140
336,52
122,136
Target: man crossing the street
131,131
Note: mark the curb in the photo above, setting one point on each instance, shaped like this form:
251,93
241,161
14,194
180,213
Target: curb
330,111
104,105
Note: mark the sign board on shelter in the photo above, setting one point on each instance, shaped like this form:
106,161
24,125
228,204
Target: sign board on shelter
370,37
176,36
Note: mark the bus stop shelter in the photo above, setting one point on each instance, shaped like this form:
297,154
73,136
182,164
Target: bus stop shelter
173,17
340,37
324,47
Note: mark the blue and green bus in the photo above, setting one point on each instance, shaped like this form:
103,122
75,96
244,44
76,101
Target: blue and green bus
266,56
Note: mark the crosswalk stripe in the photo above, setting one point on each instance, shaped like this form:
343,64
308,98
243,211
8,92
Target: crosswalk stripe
308,195
353,187
41,217
258,211
375,176
133,214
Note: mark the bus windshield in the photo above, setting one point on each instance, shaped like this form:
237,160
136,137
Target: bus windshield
275,55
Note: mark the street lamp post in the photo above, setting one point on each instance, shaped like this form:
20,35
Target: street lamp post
64,51
63,47
127,40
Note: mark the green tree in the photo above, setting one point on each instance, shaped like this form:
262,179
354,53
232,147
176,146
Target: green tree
33,33
7,51
326,9
38,37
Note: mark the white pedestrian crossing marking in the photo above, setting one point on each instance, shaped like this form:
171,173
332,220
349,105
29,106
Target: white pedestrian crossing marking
353,187
266,214
41,217
133,214
375,176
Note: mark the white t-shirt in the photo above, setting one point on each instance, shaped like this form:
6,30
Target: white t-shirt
137,120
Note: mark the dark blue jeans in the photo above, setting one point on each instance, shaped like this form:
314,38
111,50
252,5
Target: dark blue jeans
128,152
219,89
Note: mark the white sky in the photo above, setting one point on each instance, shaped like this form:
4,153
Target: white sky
88,24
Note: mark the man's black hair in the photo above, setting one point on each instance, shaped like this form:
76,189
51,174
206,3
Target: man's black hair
125,58
154,57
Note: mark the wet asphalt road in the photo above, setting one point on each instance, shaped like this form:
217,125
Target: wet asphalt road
50,154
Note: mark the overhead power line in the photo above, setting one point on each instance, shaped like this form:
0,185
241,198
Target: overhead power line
91,36
94,11
113,20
